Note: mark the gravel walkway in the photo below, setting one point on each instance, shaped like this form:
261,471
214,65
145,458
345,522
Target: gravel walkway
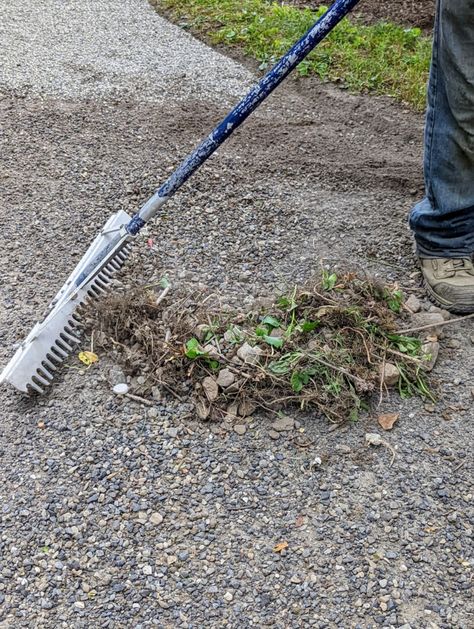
112,49
119,514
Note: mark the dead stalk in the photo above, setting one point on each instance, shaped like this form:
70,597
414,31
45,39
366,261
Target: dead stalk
434,325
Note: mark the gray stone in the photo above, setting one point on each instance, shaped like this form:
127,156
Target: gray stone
391,374
225,378
453,343
432,319
283,423
444,313
413,304
430,350
248,354
116,375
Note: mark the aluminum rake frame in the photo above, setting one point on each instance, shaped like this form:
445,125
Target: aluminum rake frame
49,343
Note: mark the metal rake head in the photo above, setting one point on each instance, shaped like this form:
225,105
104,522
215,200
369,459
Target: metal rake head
50,342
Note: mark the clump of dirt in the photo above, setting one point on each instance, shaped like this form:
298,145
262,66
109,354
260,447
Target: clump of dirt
326,345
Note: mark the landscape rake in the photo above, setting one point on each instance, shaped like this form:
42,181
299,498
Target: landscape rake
49,343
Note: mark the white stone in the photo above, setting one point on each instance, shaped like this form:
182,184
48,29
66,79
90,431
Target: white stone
120,389
156,518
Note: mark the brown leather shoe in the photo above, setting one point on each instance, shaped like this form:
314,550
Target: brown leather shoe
450,283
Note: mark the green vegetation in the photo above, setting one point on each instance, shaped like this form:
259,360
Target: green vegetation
382,58
324,346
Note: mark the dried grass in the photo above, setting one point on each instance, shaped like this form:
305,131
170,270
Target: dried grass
321,346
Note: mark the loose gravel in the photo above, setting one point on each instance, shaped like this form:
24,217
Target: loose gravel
115,513
80,49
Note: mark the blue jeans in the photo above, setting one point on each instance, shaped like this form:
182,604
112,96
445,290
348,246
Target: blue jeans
443,223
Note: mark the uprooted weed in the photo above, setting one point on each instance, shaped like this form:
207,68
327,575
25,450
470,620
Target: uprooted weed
324,345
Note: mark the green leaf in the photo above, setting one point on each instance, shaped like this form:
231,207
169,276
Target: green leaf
406,344
273,341
271,322
208,336
261,331
296,382
284,365
236,333
283,302
329,280
394,300
288,303
309,326
354,414
300,379
193,349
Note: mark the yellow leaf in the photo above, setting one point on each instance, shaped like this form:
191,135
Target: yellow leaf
88,358
279,547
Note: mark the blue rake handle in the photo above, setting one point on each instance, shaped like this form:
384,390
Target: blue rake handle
241,112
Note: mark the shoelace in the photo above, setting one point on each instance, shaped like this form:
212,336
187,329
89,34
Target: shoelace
456,264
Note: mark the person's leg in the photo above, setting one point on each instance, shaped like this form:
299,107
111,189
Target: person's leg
443,223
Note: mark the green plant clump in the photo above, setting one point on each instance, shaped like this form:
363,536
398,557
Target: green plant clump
324,346
383,58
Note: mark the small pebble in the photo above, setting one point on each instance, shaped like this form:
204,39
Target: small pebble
283,424
413,303
453,343
120,389
156,518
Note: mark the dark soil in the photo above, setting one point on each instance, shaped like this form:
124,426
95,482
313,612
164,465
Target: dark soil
418,13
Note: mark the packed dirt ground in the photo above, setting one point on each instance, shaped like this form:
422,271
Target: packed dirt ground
419,13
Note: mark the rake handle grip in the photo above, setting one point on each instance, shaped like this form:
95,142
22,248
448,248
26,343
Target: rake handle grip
242,111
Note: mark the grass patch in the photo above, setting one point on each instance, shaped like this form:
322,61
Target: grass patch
382,58
324,346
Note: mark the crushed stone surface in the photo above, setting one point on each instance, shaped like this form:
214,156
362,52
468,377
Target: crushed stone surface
121,514
81,49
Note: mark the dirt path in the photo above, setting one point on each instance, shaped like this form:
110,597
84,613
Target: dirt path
318,173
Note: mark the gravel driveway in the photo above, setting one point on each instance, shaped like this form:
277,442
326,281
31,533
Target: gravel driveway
119,514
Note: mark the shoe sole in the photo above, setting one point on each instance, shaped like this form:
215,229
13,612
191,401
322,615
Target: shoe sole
438,301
